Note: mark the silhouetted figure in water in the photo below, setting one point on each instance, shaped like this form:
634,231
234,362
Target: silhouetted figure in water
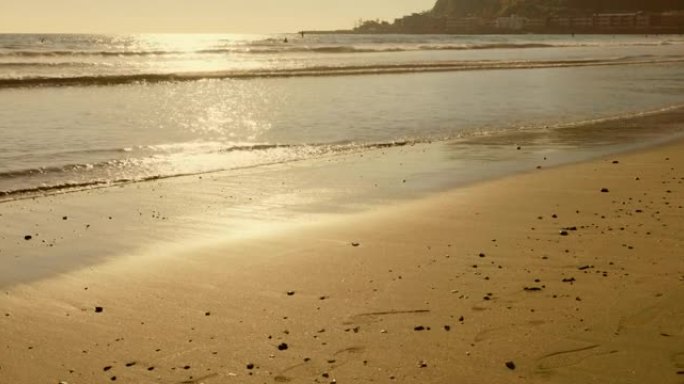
302,33
285,41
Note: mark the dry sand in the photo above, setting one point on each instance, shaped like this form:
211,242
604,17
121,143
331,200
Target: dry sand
448,289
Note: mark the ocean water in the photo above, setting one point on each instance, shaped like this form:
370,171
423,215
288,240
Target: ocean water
83,111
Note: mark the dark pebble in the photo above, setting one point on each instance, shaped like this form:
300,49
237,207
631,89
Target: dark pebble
532,289
290,293
64,217
28,237
99,309
604,190
447,328
355,244
283,346
510,365
250,366
107,368
130,364
563,233
419,328
569,280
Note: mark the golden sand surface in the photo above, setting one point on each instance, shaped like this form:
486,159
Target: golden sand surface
572,274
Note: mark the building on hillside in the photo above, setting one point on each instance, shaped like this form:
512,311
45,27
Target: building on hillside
513,23
643,20
535,24
615,20
669,21
517,23
560,22
586,22
605,22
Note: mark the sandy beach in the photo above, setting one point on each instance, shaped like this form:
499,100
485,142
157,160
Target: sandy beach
571,274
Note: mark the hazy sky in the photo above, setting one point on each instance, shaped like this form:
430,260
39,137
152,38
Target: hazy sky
195,15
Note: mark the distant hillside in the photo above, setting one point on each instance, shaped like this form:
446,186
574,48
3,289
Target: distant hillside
538,16
536,8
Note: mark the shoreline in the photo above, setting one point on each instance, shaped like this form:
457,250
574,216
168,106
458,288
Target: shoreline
539,269
84,229
670,112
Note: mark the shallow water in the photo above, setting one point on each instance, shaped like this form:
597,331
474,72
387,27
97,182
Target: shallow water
78,111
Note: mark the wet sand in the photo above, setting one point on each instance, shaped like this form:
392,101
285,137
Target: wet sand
565,275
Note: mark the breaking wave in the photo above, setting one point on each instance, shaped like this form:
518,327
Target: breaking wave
142,167
317,71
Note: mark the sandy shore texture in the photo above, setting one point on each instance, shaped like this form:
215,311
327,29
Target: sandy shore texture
567,275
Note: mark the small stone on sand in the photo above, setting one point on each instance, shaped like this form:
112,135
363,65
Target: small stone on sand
510,365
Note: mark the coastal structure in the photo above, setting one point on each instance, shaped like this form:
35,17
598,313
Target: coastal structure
624,22
468,17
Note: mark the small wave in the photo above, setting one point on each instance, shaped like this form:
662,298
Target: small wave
443,66
277,47
77,186
42,64
186,148
51,188
83,171
69,168
68,53
462,47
